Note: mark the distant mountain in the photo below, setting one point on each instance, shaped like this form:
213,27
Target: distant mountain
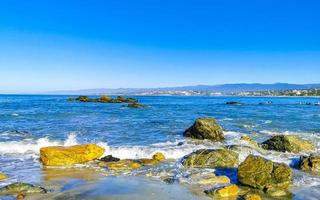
224,88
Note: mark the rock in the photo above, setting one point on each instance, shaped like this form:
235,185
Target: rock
20,196
211,158
274,192
250,196
158,156
135,105
205,128
109,158
247,149
3,176
169,180
104,98
214,180
287,143
310,163
125,164
248,140
83,99
24,188
126,100
260,173
224,192
233,103
77,154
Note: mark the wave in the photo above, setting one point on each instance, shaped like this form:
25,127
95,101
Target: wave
172,150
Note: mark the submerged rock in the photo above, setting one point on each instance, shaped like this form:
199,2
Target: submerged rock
125,164
287,143
211,158
24,188
135,105
77,154
109,158
230,191
310,163
260,173
214,180
233,103
156,158
205,128
3,176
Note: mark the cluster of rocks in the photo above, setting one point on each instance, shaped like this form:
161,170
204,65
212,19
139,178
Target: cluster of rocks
255,172
132,103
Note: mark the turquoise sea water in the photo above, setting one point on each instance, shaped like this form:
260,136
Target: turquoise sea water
28,123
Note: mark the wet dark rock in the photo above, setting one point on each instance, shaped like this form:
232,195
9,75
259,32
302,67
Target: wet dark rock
287,143
24,188
310,163
205,128
180,143
211,158
109,158
258,172
233,103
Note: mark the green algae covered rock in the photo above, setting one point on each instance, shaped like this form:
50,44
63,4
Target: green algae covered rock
205,128
135,105
260,173
25,188
211,158
287,143
310,163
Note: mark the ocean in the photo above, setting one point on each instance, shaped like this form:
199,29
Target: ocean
29,122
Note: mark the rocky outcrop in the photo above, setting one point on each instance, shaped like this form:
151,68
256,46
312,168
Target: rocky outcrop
211,158
287,143
104,99
205,128
77,154
260,173
24,188
310,163
230,191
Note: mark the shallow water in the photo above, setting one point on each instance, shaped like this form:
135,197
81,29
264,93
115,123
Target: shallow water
28,123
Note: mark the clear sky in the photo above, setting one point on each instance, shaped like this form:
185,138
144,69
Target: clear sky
78,44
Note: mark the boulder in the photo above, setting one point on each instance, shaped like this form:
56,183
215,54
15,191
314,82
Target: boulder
251,196
24,188
3,176
104,98
287,143
310,163
125,164
260,173
158,156
77,154
211,158
230,191
109,158
205,128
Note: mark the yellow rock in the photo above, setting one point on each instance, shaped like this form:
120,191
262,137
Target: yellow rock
3,176
121,165
227,191
158,156
249,140
215,180
252,197
77,154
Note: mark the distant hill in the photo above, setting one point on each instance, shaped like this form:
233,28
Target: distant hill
224,88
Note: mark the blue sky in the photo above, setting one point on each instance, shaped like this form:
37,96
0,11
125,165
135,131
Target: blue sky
54,45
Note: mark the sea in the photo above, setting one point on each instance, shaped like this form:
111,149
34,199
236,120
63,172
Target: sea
29,122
